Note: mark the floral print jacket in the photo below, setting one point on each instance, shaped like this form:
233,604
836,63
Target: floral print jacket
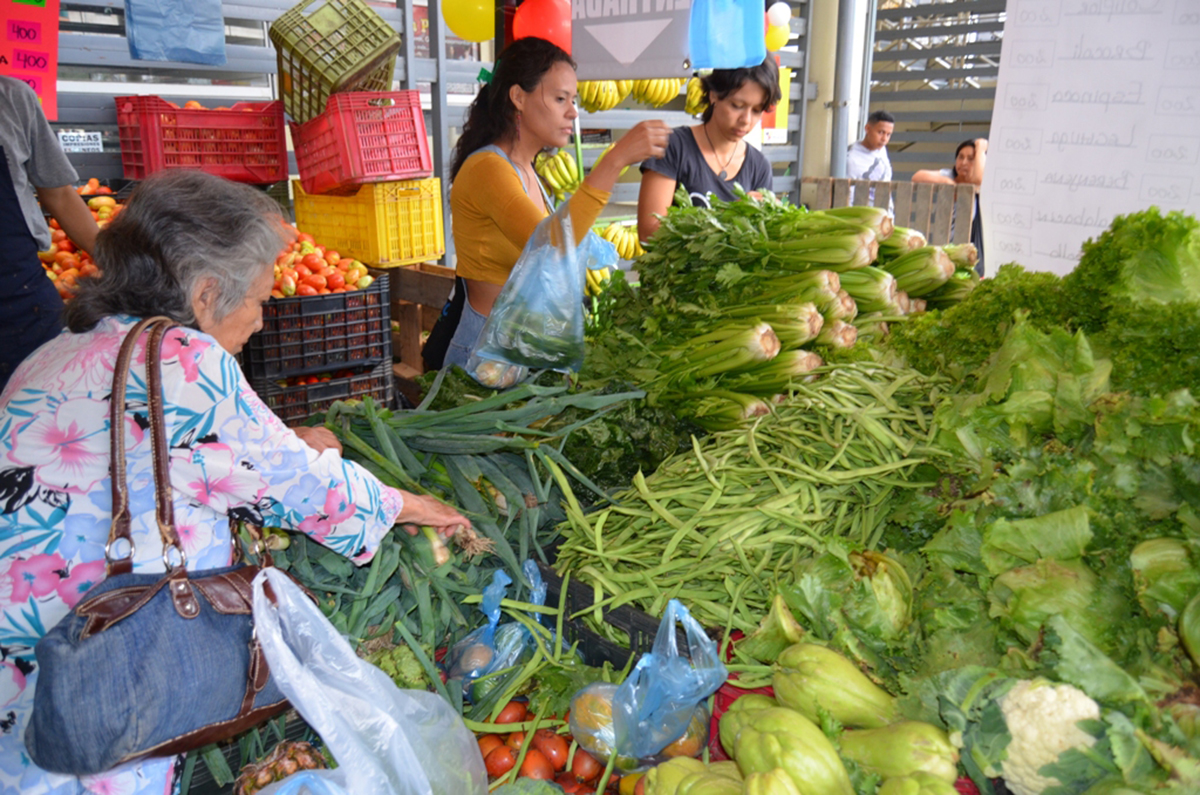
231,458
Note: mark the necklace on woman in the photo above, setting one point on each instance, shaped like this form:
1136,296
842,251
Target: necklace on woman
716,157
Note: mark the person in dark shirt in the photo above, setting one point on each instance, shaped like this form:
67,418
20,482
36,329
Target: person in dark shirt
708,158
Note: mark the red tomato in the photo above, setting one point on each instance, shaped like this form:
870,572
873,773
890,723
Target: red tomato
335,280
306,289
514,740
536,766
304,237
567,782
489,742
584,766
553,747
314,280
302,271
332,257
513,712
313,261
500,761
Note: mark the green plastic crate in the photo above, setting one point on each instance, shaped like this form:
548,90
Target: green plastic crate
327,46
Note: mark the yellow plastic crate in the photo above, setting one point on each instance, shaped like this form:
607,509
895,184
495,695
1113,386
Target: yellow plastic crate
386,224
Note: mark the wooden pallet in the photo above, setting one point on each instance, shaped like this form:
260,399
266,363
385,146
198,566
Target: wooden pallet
418,293
928,208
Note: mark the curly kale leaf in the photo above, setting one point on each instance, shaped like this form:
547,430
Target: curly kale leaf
1144,257
960,339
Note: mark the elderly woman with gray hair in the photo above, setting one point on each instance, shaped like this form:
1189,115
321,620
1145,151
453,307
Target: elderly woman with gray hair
199,250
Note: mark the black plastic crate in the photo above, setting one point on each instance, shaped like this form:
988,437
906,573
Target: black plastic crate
304,335
294,404
639,626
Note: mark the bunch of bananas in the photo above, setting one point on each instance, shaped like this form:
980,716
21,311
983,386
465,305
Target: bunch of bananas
559,171
657,92
625,239
598,95
597,278
608,149
696,102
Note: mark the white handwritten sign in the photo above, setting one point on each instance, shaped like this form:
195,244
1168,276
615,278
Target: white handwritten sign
1097,114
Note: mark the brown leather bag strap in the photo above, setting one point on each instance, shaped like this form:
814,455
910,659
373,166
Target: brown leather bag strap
118,467
160,451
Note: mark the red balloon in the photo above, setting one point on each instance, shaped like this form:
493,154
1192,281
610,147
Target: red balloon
544,19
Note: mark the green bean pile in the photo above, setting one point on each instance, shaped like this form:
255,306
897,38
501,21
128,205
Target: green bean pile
722,527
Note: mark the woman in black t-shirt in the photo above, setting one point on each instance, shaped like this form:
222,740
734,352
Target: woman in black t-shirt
711,156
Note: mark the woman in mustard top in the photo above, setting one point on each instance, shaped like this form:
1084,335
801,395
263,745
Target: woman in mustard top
496,199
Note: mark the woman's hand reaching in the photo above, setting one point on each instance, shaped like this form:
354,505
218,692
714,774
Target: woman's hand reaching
423,510
318,438
647,139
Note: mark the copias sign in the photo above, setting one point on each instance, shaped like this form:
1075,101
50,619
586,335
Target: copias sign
473,20
544,19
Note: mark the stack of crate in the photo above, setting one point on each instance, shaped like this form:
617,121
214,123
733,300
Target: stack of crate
365,187
313,350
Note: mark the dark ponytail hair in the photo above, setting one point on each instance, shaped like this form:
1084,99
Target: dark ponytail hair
724,82
492,115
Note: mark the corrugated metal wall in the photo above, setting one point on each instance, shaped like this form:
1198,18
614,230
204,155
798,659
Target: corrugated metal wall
934,69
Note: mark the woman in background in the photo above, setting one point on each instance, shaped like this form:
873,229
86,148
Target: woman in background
708,158
969,159
497,199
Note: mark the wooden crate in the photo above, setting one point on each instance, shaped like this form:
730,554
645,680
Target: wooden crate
418,293
928,208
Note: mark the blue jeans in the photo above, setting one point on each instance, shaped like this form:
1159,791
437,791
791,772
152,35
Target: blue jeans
466,336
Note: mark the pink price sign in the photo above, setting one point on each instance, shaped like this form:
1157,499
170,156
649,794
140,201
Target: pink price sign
29,47
31,61
25,31
34,81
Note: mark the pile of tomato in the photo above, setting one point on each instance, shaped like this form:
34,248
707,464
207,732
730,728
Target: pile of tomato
306,268
309,380
549,756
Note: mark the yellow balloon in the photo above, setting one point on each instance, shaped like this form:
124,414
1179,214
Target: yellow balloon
473,20
777,37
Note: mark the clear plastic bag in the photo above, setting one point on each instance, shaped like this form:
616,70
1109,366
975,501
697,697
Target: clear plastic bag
386,741
726,34
657,711
188,31
537,320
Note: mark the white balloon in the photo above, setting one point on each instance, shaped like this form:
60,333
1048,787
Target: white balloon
779,13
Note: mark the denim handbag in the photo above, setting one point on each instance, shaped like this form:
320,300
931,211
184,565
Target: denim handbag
149,664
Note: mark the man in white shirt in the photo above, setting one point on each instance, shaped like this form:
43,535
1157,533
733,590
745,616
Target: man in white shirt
868,158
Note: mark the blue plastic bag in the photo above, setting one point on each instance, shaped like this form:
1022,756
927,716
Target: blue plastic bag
654,705
726,34
188,31
495,646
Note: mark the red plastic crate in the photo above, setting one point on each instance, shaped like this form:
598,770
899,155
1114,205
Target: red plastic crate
362,137
245,143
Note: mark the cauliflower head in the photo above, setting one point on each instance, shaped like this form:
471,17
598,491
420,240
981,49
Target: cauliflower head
1041,718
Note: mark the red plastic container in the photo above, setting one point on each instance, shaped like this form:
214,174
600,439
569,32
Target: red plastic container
245,143
362,137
